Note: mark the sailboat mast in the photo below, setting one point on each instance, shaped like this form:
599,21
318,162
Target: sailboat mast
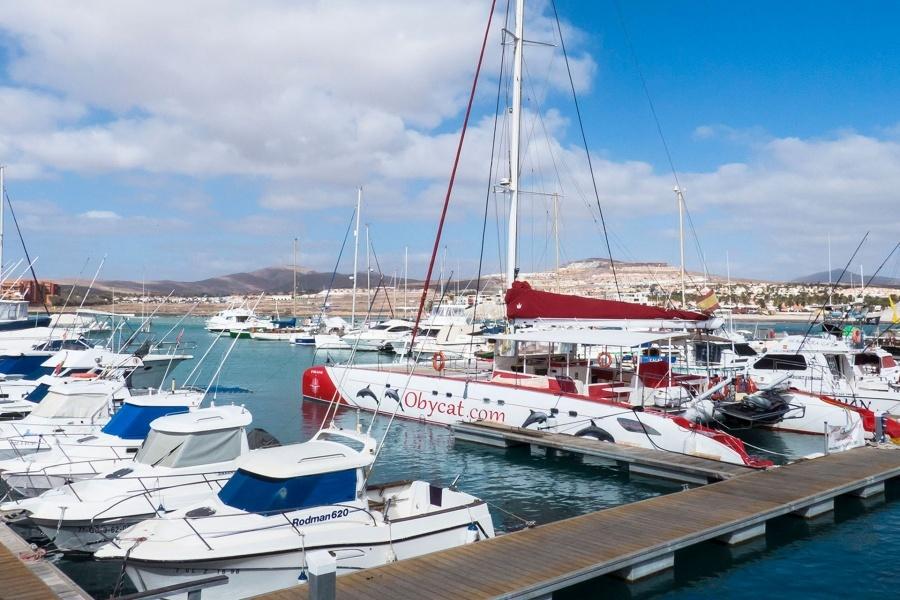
368,271
406,279
355,257
515,133
2,204
556,235
829,268
294,293
680,198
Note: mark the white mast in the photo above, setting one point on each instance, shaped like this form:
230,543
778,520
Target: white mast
405,279
515,132
829,268
2,201
368,272
294,294
861,280
556,235
680,198
355,256
728,273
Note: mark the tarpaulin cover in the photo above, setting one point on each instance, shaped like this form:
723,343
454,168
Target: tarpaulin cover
523,302
255,493
132,422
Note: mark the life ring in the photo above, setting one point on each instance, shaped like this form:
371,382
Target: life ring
856,336
438,361
604,359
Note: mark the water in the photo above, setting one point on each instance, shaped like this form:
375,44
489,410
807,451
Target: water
813,561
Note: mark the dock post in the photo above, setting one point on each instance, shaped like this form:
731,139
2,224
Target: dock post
322,574
646,568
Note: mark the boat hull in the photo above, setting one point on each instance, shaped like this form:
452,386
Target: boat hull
446,400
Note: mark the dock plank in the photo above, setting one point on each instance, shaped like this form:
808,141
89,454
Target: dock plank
554,556
38,580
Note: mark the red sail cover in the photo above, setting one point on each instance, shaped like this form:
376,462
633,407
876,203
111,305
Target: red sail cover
523,302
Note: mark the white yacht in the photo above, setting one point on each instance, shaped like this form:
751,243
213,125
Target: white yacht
236,319
183,458
284,502
66,458
374,338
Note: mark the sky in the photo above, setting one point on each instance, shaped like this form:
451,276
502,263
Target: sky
188,140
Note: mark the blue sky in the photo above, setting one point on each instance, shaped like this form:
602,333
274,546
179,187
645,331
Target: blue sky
192,141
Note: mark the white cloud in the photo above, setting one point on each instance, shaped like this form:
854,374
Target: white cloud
101,215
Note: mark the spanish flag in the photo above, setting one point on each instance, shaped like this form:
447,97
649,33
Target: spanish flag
708,301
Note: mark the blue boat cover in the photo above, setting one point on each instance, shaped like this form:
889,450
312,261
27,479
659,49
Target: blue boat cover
132,422
255,493
29,366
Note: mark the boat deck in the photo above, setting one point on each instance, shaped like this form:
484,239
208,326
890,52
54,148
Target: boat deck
631,541
37,580
643,461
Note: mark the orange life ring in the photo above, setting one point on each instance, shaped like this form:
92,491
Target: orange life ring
438,361
604,359
856,336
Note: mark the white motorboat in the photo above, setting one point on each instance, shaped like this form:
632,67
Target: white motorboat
237,319
374,338
285,502
65,458
184,457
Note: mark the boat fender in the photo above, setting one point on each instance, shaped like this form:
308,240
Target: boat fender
604,359
395,396
367,393
596,432
535,417
472,535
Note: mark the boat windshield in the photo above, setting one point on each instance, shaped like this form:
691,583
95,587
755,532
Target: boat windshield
13,311
75,406
162,449
254,493
132,422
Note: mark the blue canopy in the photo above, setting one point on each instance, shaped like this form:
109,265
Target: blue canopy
132,421
255,493
27,365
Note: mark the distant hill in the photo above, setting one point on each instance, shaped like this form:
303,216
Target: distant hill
272,280
822,278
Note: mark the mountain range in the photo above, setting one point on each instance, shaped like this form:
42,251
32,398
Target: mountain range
822,278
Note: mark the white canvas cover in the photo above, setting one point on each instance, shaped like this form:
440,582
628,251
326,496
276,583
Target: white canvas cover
70,406
187,450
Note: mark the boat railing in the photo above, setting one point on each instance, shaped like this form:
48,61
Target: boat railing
207,478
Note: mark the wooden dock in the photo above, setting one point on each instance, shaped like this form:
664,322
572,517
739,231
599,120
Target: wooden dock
32,580
631,541
643,461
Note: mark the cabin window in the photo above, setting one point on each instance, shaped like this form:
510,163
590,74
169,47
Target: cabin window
635,426
744,350
38,393
132,422
254,493
781,362
708,353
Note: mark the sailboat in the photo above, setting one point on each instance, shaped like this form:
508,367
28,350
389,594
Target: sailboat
557,369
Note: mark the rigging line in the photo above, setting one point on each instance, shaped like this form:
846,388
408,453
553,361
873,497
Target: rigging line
27,257
830,291
487,194
656,120
381,281
587,152
462,137
337,263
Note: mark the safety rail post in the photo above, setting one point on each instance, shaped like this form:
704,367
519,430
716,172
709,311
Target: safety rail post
322,568
193,589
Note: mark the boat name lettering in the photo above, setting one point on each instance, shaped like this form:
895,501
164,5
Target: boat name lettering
335,514
429,407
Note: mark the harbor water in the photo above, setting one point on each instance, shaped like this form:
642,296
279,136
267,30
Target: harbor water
853,550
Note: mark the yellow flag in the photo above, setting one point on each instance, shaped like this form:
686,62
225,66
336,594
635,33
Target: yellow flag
895,317
708,301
